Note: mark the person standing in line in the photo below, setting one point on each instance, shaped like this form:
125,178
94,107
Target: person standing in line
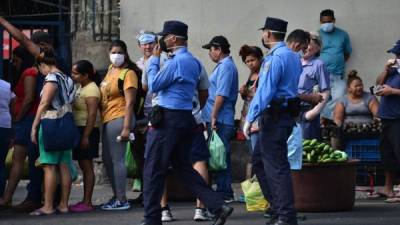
118,95
7,103
172,126
56,97
25,108
276,103
219,111
85,109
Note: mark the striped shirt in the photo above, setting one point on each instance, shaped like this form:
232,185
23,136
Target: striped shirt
65,89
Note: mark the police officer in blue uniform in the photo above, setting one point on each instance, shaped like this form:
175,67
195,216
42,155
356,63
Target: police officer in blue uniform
173,125
276,103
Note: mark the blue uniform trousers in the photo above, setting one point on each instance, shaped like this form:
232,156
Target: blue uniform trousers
271,166
170,144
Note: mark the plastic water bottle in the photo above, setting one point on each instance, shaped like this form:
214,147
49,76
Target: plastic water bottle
131,137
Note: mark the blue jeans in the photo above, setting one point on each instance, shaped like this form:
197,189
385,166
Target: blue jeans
5,134
223,179
338,90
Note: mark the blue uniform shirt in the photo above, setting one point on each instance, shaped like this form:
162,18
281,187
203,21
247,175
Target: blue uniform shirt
223,82
389,107
334,45
314,73
279,78
175,83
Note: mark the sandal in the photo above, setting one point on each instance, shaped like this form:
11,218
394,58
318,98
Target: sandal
393,200
40,212
59,211
391,194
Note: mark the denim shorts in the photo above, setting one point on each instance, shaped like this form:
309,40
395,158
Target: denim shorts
199,149
23,130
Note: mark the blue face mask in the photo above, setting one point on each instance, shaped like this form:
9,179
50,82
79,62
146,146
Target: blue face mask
327,27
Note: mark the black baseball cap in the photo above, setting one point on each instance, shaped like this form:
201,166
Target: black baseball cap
218,41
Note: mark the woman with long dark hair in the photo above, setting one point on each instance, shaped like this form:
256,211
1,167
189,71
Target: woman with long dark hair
25,109
118,94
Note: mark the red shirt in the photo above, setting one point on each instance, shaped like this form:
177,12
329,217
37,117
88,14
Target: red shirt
20,92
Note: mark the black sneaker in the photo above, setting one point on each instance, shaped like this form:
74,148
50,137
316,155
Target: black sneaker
223,213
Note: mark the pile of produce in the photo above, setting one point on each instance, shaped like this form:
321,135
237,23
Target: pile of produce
362,129
352,130
316,152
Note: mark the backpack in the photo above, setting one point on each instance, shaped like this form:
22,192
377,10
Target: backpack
140,93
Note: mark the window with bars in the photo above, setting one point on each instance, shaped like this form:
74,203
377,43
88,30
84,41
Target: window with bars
99,16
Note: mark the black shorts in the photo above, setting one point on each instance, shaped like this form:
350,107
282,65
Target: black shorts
389,144
93,150
199,150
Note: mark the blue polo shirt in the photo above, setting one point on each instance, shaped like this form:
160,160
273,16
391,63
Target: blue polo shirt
279,78
176,82
334,45
314,73
389,107
223,82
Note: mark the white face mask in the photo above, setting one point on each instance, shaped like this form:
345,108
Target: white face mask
117,59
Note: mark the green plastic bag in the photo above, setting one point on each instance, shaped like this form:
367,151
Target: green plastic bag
253,195
130,162
217,161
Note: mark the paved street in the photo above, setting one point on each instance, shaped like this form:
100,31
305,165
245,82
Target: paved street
366,212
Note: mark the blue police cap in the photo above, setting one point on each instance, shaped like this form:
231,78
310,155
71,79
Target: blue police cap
395,49
275,24
174,27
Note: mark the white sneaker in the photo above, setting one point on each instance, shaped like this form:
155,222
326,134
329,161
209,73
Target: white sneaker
166,215
202,215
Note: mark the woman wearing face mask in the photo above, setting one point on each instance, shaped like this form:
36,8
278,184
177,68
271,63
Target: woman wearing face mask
252,57
85,114
56,97
117,110
357,106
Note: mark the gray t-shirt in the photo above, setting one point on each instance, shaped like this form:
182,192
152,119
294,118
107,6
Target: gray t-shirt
357,112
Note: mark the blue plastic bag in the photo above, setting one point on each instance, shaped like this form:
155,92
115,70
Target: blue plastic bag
295,148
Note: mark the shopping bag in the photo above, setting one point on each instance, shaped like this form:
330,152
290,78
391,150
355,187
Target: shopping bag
253,195
130,162
217,161
295,148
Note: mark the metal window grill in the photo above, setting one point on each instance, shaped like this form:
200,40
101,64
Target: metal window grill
99,16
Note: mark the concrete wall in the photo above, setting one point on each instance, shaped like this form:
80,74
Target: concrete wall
372,25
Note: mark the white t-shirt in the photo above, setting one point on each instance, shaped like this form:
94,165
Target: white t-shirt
6,95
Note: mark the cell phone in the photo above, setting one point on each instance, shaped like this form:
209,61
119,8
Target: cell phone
375,89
